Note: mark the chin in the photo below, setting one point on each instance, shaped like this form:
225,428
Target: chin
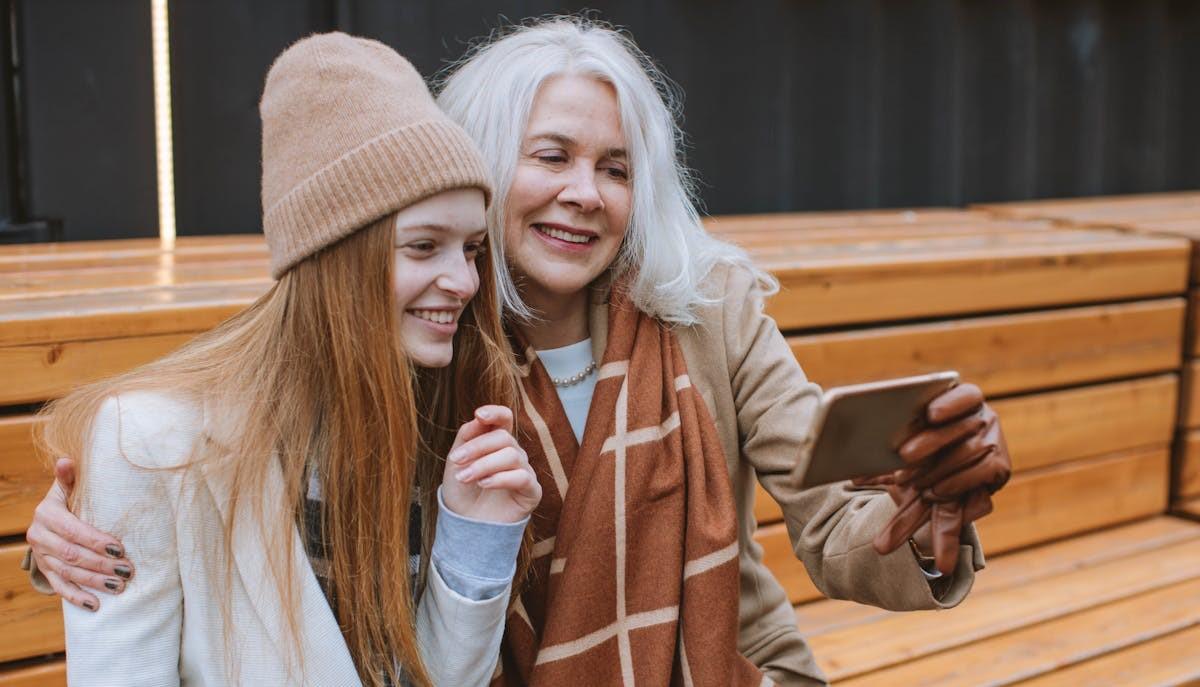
431,356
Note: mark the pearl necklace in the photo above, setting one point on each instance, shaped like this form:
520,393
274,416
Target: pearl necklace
563,382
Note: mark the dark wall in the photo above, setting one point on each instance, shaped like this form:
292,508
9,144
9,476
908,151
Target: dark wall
790,105
88,95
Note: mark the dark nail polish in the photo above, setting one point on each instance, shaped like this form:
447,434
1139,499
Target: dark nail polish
122,571
113,550
112,585
89,605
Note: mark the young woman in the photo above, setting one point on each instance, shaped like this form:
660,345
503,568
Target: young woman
655,391
262,476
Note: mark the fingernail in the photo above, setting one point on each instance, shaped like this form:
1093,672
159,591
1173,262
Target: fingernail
485,482
455,456
113,550
89,605
484,414
465,475
112,585
122,571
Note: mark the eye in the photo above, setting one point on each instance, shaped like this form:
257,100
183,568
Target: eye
554,157
617,173
423,247
474,249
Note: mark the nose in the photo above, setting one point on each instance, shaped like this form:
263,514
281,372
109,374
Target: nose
459,278
580,188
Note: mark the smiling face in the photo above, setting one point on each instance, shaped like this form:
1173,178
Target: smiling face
436,243
568,206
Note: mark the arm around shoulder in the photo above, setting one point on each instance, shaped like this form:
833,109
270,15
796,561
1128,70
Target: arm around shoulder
134,637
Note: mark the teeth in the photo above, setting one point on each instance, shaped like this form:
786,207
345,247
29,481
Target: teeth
563,235
439,316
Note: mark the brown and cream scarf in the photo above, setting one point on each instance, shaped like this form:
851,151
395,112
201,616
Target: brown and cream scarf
635,576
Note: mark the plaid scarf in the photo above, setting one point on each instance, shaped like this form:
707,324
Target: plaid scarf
635,575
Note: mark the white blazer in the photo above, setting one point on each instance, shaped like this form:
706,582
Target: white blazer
166,628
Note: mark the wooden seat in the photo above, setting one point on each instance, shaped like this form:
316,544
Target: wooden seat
1030,614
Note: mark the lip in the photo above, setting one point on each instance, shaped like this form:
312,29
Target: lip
446,329
559,244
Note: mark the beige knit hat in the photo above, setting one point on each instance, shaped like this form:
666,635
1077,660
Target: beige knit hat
351,134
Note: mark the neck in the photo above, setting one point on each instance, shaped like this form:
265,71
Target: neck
561,320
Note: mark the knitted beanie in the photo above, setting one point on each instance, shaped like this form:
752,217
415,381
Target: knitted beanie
351,134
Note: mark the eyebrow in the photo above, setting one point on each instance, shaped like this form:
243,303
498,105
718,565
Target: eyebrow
431,226
567,142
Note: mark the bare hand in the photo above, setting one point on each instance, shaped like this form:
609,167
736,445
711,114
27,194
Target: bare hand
957,463
487,475
70,553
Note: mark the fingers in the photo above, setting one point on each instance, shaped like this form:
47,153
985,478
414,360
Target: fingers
64,474
979,504
929,441
507,458
480,446
52,515
487,418
67,590
80,577
904,524
946,531
81,561
961,400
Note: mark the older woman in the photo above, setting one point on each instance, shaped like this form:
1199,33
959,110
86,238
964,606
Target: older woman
655,392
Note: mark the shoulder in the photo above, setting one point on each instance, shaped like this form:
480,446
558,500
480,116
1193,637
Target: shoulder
149,429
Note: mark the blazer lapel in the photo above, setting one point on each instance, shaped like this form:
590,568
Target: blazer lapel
326,658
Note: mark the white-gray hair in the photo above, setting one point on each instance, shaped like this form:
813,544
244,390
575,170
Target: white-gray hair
666,251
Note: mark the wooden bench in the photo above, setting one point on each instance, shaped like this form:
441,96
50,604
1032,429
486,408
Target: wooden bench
1175,215
1077,334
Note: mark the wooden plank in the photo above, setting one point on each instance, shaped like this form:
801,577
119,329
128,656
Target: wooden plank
51,674
44,371
1036,506
900,637
23,477
1059,426
1091,207
1170,660
858,284
1186,478
1189,508
1044,648
32,622
89,316
1063,500
1193,325
1023,568
114,279
1008,353
73,254
776,234
1189,394
729,224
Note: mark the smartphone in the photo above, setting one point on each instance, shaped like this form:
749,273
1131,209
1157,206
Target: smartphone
860,428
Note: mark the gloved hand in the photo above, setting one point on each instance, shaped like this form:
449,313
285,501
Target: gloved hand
956,464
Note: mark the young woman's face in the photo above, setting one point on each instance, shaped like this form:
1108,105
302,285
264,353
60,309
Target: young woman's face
437,241
568,207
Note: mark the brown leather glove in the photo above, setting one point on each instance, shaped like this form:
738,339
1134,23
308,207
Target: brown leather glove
958,462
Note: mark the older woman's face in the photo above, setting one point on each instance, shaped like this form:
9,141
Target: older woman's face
568,206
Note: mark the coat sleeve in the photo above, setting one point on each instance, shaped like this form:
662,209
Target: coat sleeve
459,637
134,637
831,527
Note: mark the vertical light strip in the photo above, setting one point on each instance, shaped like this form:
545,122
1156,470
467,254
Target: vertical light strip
162,122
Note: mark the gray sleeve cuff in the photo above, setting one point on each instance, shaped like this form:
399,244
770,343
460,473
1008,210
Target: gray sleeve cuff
476,559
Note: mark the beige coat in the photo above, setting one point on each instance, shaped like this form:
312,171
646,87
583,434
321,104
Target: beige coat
763,407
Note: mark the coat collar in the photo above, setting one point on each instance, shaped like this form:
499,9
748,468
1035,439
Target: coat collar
326,657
